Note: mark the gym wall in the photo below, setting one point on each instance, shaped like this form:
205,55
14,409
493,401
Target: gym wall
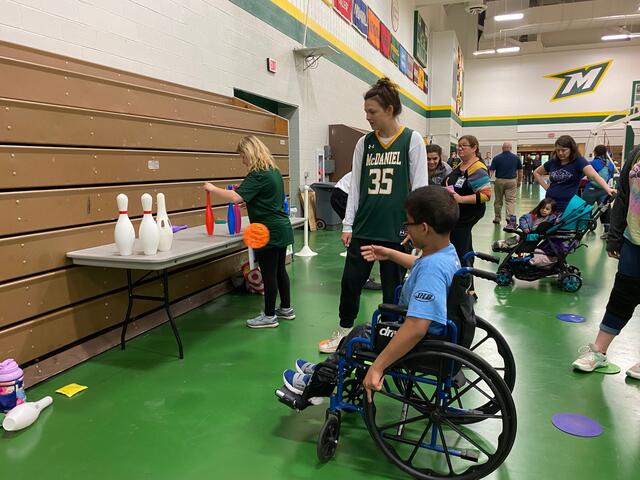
510,98
73,135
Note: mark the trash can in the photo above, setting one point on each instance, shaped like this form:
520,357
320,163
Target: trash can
326,218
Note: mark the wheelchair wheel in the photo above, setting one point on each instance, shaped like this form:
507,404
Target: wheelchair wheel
321,224
504,278
574,269
570,282
424,432
352,391
328,437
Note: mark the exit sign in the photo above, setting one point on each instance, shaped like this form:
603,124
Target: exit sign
272,65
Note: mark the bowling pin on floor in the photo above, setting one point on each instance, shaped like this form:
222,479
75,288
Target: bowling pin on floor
124,233
148,233
164,225
231,215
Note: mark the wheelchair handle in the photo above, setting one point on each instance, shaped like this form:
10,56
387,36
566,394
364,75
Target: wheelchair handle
478,273
482,256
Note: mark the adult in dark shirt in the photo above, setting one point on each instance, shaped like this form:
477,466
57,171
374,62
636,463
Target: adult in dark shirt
527,169
508,169
565,169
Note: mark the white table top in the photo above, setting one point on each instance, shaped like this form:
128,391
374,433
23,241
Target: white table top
188,245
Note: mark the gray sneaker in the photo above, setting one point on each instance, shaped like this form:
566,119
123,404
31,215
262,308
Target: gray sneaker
286,313
262,321
590,359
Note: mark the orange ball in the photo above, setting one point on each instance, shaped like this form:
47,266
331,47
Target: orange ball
256,235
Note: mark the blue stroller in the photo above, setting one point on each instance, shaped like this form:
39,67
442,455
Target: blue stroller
557,242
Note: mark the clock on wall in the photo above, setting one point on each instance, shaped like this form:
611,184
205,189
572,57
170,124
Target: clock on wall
395,15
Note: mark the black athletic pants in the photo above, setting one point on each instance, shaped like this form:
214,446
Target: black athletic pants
274,277
357,271
462,240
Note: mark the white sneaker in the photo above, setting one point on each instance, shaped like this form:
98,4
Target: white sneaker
331,345
634,372
590,359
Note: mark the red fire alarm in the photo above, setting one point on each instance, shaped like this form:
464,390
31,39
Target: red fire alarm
272,65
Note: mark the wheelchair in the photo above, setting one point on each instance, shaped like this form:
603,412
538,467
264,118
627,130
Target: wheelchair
445,409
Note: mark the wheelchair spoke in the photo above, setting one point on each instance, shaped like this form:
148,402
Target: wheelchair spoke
417,447
455,428
473,347
403,422
470,416
469,387
412,403
446,450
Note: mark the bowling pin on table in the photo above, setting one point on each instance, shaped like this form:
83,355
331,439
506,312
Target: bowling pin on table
231,215
148,232
124,233
164,225
209,221
237,214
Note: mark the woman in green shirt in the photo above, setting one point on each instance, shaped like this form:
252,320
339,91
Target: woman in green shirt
263,192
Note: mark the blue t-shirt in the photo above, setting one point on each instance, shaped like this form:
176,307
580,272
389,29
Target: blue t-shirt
506,165
565,180
425,291
604,168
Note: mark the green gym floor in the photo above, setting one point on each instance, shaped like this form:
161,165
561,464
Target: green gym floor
148,414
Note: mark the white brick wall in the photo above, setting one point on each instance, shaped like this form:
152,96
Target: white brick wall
208,44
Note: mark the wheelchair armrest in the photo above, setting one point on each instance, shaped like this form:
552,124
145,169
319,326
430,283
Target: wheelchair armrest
392,308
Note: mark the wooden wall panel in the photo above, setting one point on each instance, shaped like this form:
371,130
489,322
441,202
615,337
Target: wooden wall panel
41,124
73,65
32,339
43,84
37,210
28,167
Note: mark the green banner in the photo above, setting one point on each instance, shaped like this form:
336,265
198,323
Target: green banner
395,51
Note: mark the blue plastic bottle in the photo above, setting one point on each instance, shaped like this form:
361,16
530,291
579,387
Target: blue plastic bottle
286,204
231,215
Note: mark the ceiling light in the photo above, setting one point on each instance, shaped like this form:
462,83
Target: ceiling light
489,51
508,49
508,17
620,36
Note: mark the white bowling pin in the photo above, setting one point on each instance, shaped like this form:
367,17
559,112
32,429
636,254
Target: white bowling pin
24,414
148,232
164,225
124,233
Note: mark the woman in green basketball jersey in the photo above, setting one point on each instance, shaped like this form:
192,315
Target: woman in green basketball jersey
388,163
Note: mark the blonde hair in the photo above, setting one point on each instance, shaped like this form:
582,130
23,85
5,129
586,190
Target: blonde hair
257,154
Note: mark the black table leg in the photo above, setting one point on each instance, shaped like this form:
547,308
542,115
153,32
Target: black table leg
127,317
167,305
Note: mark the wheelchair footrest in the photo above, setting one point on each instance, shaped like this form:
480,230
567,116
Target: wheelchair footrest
471,455
295,401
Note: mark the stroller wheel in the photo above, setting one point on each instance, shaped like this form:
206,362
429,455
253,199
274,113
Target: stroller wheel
570,282
573,269
504,278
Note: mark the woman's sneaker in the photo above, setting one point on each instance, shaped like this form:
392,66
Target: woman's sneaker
304,367
294,381
331,345
634,372
262,321
590,359
286,313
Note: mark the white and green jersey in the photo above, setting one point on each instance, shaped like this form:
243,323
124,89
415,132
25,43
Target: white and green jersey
384,170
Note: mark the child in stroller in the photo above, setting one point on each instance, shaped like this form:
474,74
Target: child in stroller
543,252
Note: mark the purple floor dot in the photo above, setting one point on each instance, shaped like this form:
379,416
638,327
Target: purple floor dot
570,317
576,424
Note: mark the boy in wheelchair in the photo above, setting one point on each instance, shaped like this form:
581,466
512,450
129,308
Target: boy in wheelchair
431,215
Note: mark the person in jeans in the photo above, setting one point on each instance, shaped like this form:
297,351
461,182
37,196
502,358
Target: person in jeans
593,193
623,244
263,191
508,170
388,163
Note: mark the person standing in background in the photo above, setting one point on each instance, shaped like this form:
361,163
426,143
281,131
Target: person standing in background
508,169
438,169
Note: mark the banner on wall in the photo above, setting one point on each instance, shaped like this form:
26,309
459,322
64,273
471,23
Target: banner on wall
344,8
418,76
579,81
395,51
426,82
360,20
410,63
403,60
385,40
419,39
328,2
374,29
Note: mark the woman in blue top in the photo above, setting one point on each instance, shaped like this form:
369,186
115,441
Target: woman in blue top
593,192
565,169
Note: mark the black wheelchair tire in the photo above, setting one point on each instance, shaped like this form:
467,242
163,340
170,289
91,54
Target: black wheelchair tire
328,437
